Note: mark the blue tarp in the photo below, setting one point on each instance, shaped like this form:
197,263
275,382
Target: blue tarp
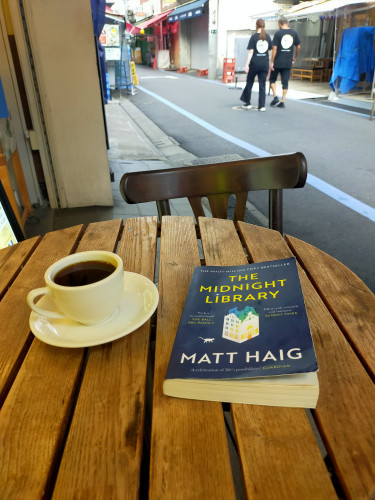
355,57
98,19
98,15
4,113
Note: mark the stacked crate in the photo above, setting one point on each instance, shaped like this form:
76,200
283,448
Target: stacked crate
229,70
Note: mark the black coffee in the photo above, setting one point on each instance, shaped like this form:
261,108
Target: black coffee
84,273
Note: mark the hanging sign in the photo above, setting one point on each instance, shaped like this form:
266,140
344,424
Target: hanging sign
112,53
110,36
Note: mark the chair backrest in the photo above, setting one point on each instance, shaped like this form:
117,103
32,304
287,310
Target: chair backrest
217,182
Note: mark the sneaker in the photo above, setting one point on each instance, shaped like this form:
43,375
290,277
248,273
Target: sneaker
246,106
261,109
274,101
281,105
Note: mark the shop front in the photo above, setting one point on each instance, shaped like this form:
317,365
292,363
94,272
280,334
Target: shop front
154,41
323,27
190,40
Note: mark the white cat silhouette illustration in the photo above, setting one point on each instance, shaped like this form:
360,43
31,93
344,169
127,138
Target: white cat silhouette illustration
205,341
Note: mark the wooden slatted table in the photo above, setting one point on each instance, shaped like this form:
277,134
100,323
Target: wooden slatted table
85,423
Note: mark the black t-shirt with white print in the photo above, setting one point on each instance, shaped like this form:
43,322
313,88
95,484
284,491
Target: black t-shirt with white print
260,57
285,40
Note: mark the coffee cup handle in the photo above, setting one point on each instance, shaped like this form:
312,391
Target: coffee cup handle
39,310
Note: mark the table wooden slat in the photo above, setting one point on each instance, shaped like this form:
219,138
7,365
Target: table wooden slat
276,445
348,390
12,259
35,414
102,457
15,336
346,406
348,299
189,449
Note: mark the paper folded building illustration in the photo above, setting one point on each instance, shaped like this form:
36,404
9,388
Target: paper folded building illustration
241,324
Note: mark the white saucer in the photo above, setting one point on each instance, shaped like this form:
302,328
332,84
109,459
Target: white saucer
140,299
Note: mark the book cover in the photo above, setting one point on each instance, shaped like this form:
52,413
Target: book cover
242,322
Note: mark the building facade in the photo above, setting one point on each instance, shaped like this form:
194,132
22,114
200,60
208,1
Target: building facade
200,34
50,77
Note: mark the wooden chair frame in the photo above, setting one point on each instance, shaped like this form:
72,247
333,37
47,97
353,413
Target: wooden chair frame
216,182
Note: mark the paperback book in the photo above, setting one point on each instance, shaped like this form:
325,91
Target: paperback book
244,337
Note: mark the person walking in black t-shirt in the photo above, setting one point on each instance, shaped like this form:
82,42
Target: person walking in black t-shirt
283,57
258,63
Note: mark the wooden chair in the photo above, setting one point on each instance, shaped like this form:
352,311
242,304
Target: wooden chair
217,182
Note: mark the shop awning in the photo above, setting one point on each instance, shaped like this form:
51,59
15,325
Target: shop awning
187,11
154,20
325,7
132,30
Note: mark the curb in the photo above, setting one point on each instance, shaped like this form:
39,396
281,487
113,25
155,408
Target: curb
167,147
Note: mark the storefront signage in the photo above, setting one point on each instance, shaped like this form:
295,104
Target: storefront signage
112,53
187,11
110,35
186,15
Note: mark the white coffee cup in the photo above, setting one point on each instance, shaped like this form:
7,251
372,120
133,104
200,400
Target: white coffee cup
86,303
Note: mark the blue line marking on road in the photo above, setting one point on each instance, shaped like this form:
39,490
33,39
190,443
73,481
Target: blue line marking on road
331,107
365,112
341,197
305,100
320,185
208,126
